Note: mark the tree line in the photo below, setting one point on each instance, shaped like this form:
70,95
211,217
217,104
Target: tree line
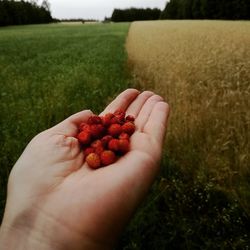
188,9
134,14
22,12
207,9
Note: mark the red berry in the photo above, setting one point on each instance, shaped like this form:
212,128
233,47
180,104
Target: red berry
130,118
96,130
106,119
119,112
123,146
124,136
84,127
98,137
105,140
128,127
94,119
114,145
107,157
120,115
93,160
115,130
114,120
84,137
95,144
88,151
99,150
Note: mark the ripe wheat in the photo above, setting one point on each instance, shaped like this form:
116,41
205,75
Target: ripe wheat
202,68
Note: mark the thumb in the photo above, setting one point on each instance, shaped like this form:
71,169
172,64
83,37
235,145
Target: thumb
69,126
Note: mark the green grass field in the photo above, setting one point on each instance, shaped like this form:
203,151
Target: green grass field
48,72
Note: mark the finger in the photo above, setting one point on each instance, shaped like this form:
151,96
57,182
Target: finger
122,101
80,117
69,126
146,110
157,121
138,103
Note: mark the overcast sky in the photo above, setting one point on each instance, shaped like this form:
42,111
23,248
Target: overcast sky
97,9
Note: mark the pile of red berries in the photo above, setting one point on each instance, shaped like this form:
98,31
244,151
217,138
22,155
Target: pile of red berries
105,138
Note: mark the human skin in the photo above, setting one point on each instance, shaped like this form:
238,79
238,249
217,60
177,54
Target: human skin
55,201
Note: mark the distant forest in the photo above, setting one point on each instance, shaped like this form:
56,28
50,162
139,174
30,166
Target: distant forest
188,9
207,9
21,12
133,14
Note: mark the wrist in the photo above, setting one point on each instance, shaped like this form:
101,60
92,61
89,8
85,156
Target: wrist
19,235
15,235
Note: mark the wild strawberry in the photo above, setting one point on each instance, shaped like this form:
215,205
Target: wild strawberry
99,150
103,137
115,130
114,145
124,136
114,120
93,160
88,151
84,137
106,119
119,112
105,140
107,157
96,130
95,144
128,127
123,146
84,127
129,118
120,115
94,119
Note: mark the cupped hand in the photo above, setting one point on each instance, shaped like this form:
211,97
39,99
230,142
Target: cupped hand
55,201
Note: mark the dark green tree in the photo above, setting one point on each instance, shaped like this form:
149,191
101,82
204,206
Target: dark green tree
22,12
207,9
171,10
196,9
134,14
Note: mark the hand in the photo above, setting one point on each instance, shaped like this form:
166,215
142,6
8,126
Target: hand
55,201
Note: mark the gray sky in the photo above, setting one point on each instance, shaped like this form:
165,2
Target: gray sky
97,9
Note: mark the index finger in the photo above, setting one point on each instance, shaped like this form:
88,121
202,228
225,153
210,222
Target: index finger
157,122
122,101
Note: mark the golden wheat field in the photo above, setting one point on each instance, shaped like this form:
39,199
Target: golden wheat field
202,68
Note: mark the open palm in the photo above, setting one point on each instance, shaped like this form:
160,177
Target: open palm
72,205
